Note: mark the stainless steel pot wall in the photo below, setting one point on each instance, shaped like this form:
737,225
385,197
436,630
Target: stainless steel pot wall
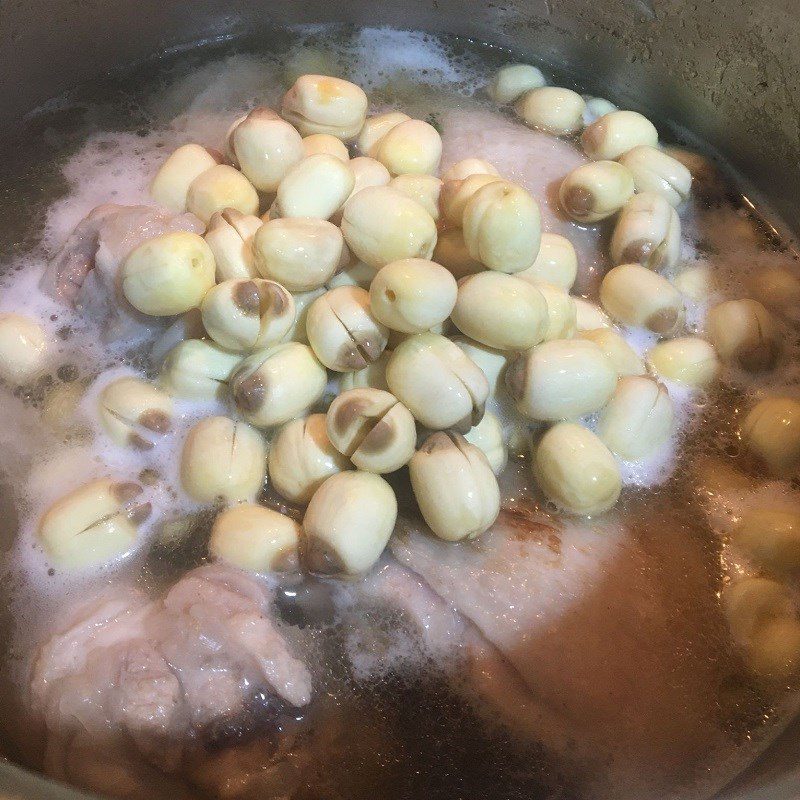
727,69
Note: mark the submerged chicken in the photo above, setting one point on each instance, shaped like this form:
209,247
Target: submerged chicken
180,679
86,272
591,640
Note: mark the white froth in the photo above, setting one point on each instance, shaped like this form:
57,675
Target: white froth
383,54
108,168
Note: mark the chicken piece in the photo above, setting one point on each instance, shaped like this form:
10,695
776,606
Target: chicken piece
605,647
148,704
535,160
183,679
99,680
66,273
86,273
93,716
229,607
99,624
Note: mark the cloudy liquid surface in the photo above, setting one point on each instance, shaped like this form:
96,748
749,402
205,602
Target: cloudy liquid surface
87,150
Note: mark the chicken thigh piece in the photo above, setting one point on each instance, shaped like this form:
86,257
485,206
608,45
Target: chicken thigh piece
86,272
575,637
535,160
226,611
64,276
134,688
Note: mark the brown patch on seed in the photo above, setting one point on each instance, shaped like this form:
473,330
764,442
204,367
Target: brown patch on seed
380,438
370,345
638,252
217,221
661,388
592,137
759,357
149,477
273,299
262,113
349,413
138,442
477,413
349,358
464,425
458,440
248,391
157,421
230,215
578,201
247,297
126,491
436,441
321,559
139,514
663,321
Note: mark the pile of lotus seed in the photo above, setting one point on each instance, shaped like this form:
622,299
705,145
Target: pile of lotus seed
438,304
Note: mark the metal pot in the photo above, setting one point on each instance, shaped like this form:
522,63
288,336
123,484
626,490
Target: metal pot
729,72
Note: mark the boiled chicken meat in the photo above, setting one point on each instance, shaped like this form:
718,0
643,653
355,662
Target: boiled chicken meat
85,273
546,161
181,678
566,633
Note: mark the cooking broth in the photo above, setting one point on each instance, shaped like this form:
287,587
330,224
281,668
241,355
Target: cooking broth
624,680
